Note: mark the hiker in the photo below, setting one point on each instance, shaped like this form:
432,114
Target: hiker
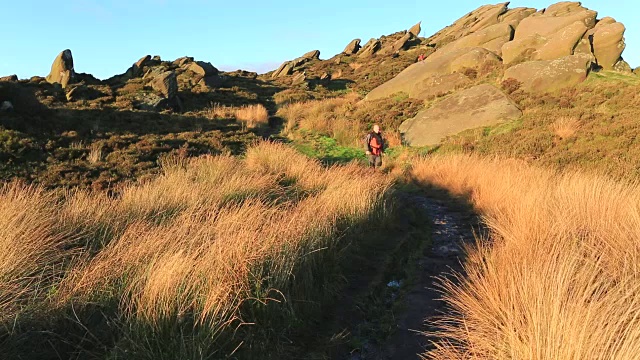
374,147
421,57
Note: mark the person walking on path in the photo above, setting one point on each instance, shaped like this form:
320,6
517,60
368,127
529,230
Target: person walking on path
374,147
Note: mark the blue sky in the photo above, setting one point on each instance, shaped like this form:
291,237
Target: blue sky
106,37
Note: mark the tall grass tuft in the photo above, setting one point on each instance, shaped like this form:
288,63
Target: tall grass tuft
209,245
558,276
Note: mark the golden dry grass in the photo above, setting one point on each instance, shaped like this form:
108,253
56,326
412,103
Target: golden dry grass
251,116
199,241
566,126
558,278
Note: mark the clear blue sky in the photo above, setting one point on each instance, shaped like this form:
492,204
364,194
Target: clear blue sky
107,36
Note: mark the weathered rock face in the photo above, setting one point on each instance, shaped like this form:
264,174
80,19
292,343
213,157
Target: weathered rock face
413,79
439,85
167,84
415,29
491,38
180,62
398,44
298,78
478,19
481,105
623,67
285,69
139,65
203,68
371,47
353,47
637,71
313,54
549,75
608,44
62,71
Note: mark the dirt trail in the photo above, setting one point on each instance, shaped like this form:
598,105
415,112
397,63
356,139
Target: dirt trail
452,227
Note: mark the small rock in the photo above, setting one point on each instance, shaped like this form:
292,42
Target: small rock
6,106
156,58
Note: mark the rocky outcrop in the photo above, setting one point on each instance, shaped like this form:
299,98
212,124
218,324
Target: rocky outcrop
608,43
371,47
549,75
182,61
10,78
298,78
482,105
352,48
398,45
136,69
491,38
166,83
551,34
637,71
202,68
415,29
311,55
62,71
414,79
285,69
478,19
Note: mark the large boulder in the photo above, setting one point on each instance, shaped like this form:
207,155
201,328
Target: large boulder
62,71
608,44
491,38
551,75
413,79
285,69
558,31
398,45
371,47
415,29
482,105
513,17
352,47
439,85
136,69
166,83
554,19
313,54
476,20
203,68
637,71
10,78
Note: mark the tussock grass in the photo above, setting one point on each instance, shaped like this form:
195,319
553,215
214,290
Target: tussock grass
251,116
212,243
558,276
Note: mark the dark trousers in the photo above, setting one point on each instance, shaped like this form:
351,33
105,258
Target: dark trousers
375,160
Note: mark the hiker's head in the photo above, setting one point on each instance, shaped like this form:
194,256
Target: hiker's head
376,129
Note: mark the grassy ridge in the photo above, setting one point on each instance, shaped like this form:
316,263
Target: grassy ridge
557,279
218,255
